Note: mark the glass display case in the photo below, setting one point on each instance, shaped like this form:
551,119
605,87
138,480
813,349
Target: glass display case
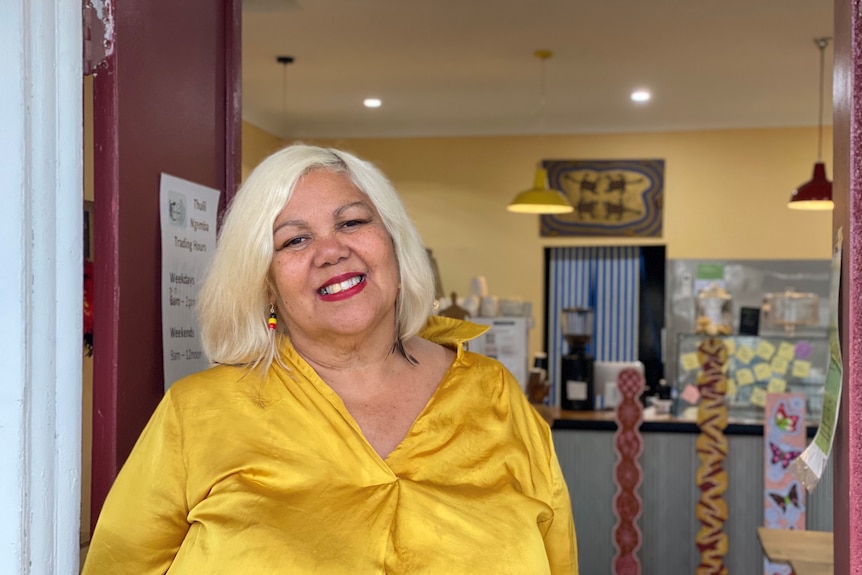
756,365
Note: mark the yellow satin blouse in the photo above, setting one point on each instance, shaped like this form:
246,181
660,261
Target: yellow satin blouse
238,474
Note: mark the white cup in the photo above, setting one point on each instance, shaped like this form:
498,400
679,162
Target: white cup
612,394
479,286
489,307
471,304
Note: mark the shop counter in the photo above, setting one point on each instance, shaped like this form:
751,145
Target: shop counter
667,423
584,442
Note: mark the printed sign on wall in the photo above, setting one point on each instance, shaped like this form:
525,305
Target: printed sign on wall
188,221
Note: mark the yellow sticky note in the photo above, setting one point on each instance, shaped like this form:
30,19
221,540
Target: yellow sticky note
744,377
779,365
689,361
762,371
765,350
758,397
776,385
744,354
801,368
730,346
786,350
731,387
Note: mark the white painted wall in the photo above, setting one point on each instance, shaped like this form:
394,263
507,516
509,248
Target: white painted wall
40,285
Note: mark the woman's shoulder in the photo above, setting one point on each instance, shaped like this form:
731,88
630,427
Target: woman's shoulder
488,378
449,332
492,383
216,384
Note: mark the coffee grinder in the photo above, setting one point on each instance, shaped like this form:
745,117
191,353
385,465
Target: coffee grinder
577,393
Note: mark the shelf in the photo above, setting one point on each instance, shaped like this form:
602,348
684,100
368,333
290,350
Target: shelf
807,552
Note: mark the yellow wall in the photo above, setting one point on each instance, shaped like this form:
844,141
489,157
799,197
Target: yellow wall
256,145
725,198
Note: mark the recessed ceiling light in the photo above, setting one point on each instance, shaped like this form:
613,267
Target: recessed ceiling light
641,96
372,102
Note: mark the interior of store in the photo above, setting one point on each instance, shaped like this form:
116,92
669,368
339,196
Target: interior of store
727,241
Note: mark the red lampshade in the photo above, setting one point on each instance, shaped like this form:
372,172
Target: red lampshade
815,194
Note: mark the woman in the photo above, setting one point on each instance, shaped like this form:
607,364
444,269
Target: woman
343,430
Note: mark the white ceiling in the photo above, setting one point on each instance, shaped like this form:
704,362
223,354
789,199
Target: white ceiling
466,67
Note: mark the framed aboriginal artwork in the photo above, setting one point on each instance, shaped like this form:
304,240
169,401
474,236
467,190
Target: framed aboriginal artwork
613,198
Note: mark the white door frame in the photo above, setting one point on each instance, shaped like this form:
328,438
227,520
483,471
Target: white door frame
41,285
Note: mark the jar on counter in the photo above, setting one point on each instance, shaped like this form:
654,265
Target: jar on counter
714,311
791,308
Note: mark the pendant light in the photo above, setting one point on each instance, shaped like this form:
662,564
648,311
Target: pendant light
540,199
285,61
815,194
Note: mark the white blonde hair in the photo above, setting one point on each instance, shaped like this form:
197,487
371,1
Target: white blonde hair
234,301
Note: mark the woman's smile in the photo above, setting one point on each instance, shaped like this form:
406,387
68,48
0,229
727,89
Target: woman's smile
338,289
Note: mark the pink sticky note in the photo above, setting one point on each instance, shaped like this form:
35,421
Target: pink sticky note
690,394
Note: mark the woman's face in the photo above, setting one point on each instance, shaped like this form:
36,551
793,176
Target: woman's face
334,265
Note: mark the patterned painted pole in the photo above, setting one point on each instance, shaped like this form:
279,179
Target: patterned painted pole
628,474
711,449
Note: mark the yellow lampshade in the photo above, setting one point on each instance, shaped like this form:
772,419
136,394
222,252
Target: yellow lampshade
540,199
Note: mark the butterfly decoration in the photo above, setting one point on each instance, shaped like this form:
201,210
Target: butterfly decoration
784,422
785,501
778,568
781,456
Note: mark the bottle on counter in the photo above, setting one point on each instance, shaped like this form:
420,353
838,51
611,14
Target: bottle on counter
664,391
540,360
538,385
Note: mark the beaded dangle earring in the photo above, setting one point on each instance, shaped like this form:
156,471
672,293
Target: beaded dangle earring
273,320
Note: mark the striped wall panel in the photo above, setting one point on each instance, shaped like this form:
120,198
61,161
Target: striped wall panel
605,279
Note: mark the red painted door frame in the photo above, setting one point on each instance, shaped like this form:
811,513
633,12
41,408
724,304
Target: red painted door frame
847,194
166,99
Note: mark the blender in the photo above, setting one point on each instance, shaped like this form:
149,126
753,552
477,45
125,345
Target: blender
576,367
